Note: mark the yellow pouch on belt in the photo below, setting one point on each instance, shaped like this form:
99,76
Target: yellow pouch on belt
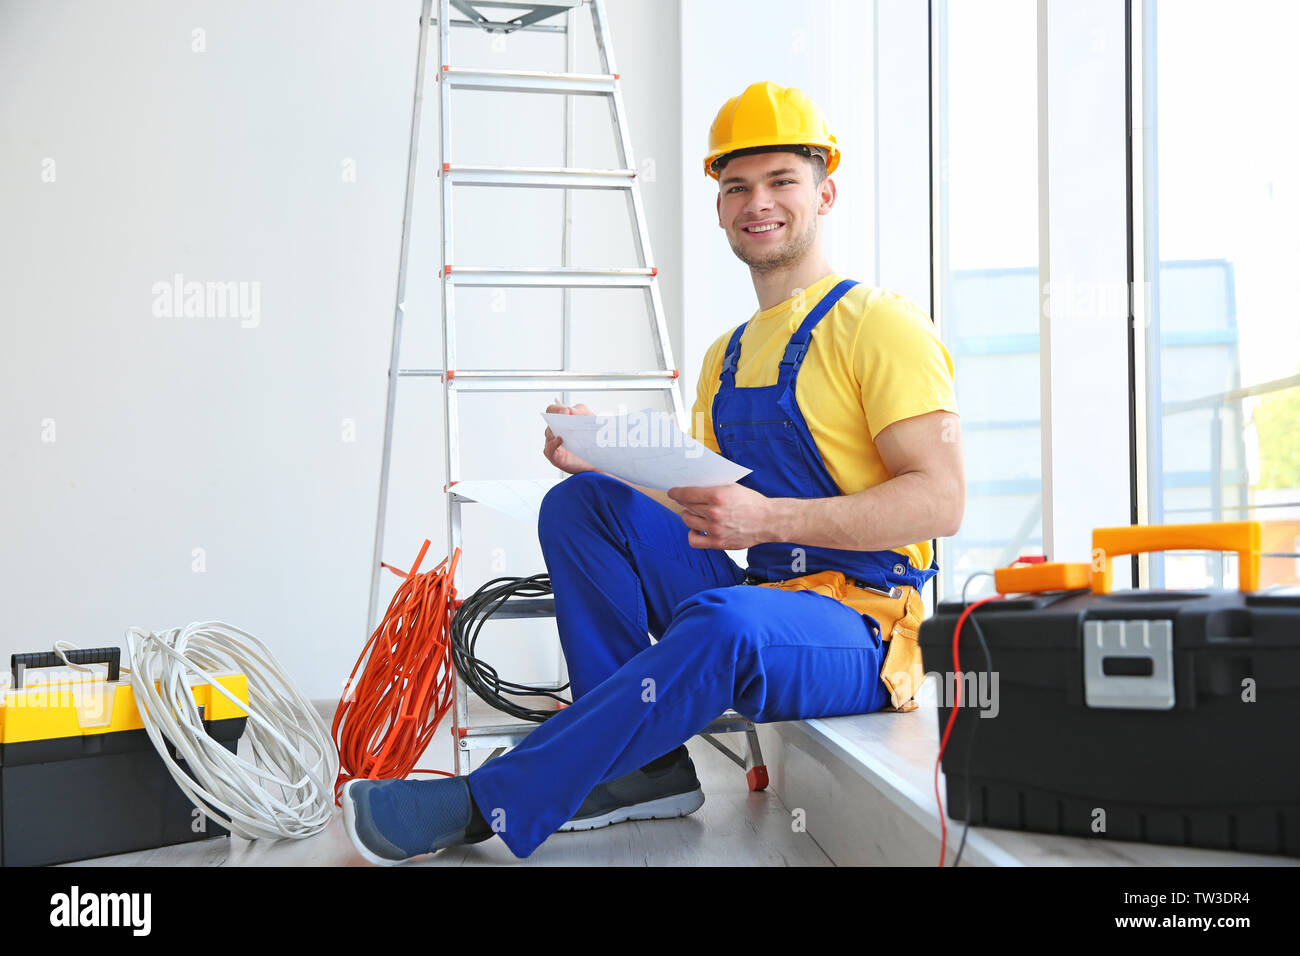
899,619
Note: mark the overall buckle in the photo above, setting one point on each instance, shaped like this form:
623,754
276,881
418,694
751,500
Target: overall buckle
794,352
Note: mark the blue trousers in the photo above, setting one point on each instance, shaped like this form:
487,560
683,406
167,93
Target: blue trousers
621,568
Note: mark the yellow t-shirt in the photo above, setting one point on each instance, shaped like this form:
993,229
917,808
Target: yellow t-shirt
874,359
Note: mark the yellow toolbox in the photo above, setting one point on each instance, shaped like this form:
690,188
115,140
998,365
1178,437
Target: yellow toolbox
79,776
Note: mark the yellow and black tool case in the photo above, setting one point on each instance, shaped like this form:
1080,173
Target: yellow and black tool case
79,776
1157,716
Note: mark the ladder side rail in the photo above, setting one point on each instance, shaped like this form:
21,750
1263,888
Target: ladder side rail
566,235
566,251
399,309
450,405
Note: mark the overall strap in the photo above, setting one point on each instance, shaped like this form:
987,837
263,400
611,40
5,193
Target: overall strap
798,347
728,376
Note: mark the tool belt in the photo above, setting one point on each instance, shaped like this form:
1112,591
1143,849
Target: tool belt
898,620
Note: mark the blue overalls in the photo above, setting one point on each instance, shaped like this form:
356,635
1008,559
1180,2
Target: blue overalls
621,566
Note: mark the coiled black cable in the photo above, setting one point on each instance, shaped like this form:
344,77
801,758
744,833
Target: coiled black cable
478,674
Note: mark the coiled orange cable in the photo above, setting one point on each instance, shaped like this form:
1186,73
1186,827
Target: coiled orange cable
387,717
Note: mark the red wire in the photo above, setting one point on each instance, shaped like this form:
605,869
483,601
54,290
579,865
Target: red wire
392,711
952,718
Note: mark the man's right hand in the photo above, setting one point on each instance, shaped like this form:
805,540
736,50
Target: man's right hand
565,461
559,457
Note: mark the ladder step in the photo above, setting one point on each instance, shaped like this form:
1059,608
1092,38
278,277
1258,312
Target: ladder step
531,27
507,735
539,177
518,608
552,278
551,7
525,81
491,736
549,380
533,12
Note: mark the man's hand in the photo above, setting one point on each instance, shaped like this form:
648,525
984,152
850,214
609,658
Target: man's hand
562,458
724,517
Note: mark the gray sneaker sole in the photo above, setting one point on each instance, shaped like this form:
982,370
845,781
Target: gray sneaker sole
663,808
350,825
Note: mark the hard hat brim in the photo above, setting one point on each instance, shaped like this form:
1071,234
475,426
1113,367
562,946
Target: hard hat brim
751,147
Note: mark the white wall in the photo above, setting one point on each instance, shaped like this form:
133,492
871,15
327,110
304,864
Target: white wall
143,447
823,47
902,149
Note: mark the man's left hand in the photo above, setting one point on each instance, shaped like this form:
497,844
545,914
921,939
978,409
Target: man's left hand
725,517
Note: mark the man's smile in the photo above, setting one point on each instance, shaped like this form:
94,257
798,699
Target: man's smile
762,227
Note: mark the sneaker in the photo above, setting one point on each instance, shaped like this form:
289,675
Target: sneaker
667,789
393,821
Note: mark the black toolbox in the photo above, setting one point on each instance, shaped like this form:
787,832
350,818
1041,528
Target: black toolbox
79,776
1157,716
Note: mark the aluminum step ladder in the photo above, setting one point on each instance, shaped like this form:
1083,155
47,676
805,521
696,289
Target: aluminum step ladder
541,17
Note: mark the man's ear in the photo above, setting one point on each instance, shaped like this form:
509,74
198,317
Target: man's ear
826,196
719,209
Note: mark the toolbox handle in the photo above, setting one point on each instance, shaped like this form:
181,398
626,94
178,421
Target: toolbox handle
112,656
1242,537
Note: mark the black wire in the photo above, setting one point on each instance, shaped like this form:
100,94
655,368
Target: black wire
478,674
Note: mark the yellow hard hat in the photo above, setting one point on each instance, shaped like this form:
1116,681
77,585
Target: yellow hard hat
767,116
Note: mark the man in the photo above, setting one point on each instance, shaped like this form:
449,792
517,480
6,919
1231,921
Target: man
839,397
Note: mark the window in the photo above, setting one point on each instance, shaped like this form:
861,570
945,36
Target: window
986,272
1220,177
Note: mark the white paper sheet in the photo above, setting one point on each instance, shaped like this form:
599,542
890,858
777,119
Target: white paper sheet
519,498
645,447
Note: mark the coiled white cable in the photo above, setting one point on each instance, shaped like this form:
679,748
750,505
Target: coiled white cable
288,791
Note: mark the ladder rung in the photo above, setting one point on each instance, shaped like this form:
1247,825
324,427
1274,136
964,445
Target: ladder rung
728,722
564,385
557,5
549,380
507,735
532,13
539,176
493,735
552,278
524,81
531,27
525,608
